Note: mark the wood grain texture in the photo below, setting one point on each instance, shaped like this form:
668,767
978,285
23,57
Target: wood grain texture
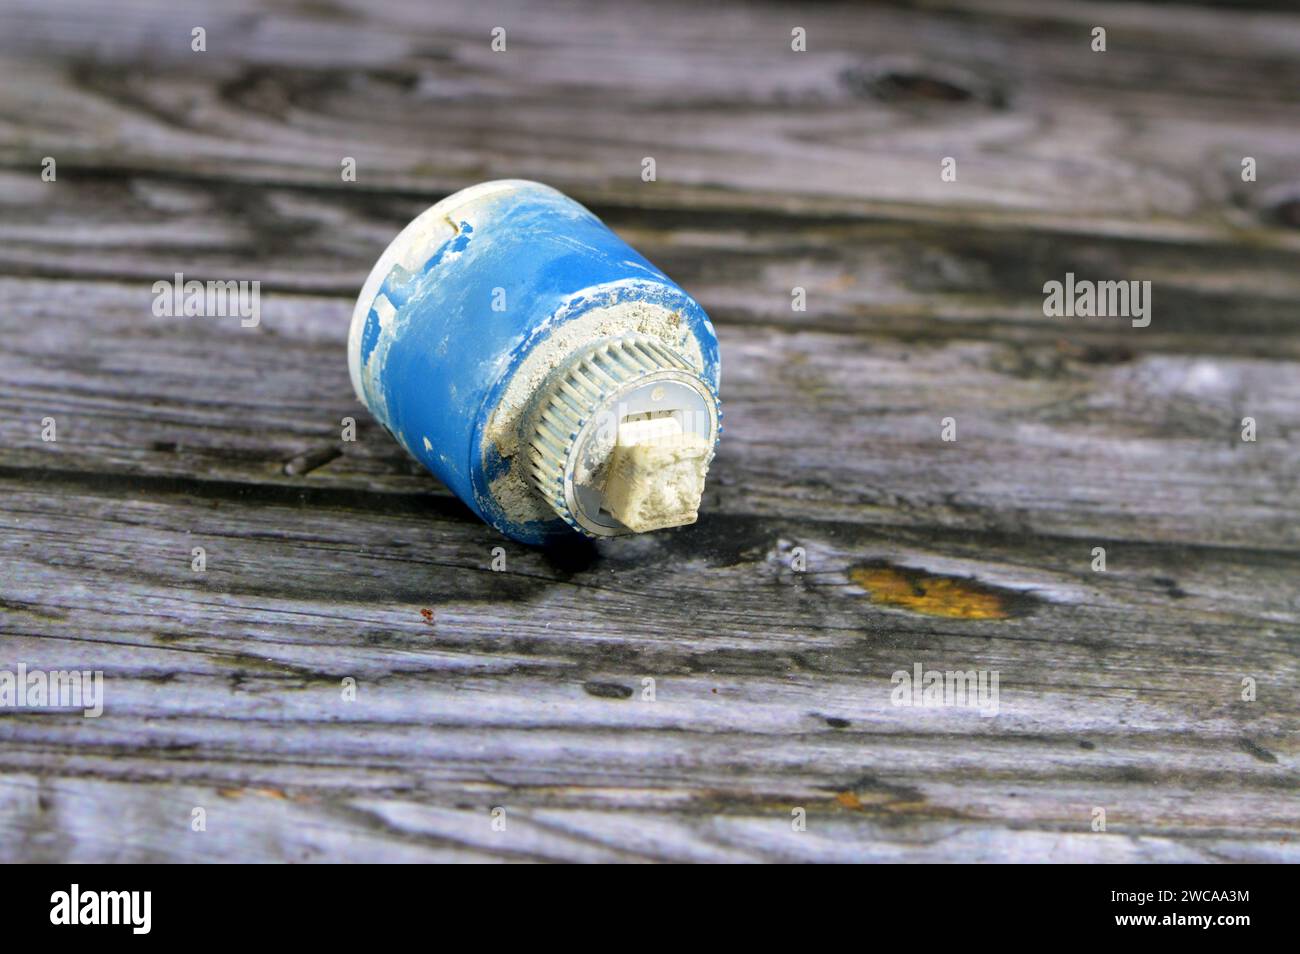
524,689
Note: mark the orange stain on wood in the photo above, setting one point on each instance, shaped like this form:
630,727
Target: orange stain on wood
951,596
848,800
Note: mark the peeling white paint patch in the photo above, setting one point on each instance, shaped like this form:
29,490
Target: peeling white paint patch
384,308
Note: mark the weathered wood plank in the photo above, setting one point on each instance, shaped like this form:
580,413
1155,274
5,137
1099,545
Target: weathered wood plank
523,689
65,820
1148,448
1113,694
1050,132
910,280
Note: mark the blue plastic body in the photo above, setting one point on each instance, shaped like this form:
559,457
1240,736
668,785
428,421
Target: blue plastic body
449,353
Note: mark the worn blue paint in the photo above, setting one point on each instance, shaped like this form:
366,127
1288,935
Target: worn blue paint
451,355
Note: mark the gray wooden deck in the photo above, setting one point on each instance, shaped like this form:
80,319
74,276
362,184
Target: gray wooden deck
524,689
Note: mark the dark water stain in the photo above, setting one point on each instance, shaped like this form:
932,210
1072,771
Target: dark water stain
1171,587
1098,353
1287,212
1258,751
607,690
917,83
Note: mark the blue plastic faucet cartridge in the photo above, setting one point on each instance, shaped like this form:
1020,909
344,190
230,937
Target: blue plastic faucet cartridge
549,375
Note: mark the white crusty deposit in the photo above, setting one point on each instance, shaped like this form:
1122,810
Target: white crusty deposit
513,491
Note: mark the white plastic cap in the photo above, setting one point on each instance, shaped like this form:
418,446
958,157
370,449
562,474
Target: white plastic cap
656,474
